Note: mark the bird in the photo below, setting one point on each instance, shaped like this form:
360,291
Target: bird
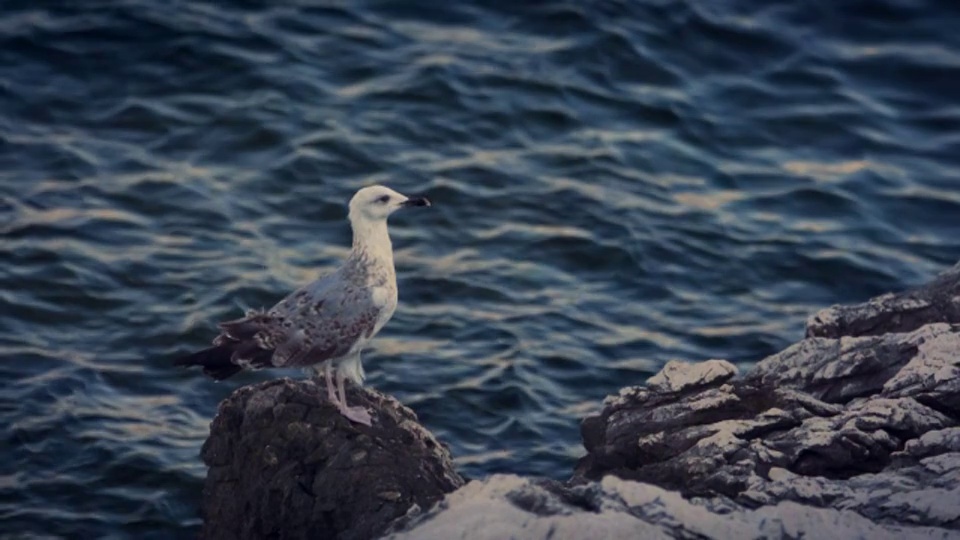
328,321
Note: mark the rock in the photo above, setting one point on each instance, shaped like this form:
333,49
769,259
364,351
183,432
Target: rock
939,301
838,370
285,464
506,506
867,424
677,376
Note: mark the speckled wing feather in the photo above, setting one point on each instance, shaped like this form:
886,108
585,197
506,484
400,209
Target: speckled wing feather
320,321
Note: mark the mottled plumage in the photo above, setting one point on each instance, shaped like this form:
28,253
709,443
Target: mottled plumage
327,321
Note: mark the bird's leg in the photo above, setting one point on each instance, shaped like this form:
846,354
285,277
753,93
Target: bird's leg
328,375
356,414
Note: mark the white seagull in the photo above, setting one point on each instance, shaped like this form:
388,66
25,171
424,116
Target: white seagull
329,320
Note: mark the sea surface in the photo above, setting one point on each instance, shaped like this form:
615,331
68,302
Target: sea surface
615,185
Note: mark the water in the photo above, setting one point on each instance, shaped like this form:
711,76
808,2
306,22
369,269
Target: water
615,186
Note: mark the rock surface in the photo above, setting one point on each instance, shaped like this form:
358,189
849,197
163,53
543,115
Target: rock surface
506,506
867,424
938,301
285,464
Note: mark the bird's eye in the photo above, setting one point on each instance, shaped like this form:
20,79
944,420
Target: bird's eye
383,199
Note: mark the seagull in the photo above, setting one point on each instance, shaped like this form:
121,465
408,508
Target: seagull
328,321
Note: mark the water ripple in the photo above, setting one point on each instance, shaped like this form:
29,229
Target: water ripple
615,185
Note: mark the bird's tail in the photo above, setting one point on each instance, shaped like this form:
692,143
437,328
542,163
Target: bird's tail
214,360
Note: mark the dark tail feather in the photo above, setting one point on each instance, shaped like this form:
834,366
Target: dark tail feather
215,361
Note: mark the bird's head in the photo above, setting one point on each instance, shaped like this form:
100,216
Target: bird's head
376,203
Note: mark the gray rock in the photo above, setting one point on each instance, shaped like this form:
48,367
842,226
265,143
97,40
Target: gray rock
506,506
939,301
865,421
838,370
285,464
865,424
677,376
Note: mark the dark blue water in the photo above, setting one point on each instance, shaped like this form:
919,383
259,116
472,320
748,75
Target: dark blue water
616,184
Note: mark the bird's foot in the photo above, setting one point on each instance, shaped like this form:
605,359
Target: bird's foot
357,414
328,378
332,394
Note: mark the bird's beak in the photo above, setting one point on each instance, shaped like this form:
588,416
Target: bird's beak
416,201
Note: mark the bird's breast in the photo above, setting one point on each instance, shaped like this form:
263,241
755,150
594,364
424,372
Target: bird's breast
385,298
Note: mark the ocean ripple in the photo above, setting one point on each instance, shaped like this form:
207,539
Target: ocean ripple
615,185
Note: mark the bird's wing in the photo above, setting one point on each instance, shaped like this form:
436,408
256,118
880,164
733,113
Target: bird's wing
322,320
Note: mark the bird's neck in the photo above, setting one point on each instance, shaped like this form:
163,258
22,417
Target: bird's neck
371,241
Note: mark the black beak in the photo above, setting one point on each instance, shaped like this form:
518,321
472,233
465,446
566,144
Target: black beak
416,201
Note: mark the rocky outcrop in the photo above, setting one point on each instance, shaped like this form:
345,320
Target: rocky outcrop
938,301
507,506
825,408
285,464
864,423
